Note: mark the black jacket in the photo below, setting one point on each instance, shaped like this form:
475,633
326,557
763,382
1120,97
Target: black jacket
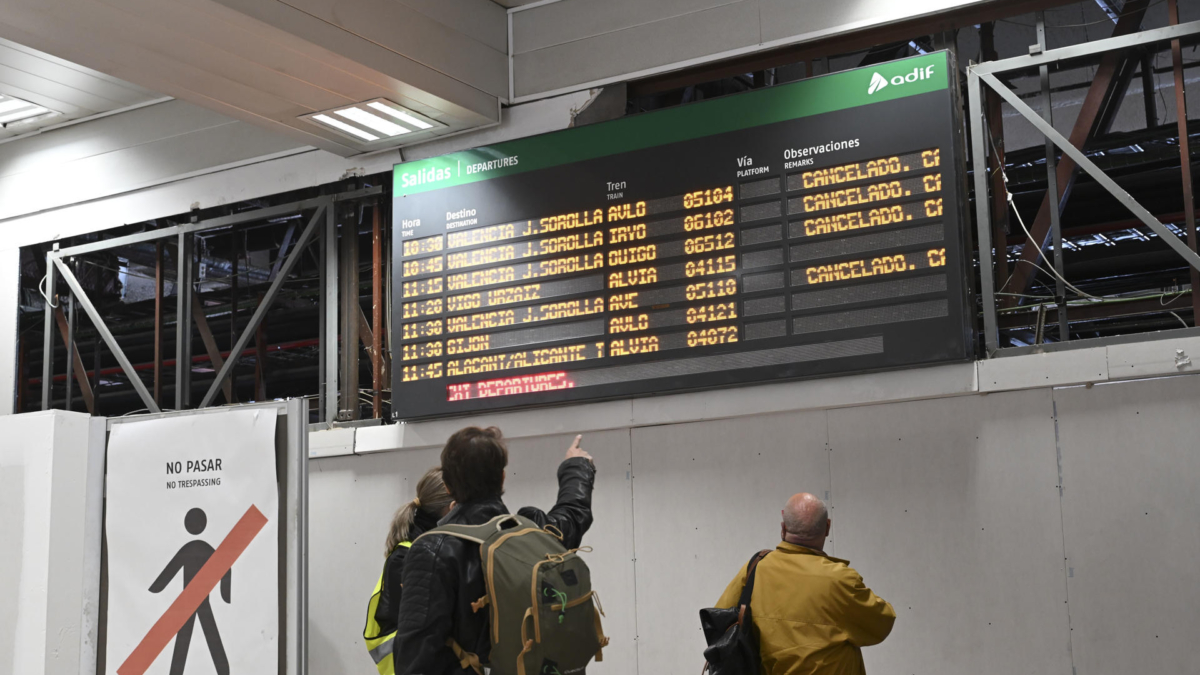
443,575
387,612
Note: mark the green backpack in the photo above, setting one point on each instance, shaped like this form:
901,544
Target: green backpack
544,617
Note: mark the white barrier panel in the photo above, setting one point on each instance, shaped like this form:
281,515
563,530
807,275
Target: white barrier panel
51,472
193,554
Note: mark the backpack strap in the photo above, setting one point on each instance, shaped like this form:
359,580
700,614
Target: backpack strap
478,534
748,588
465,658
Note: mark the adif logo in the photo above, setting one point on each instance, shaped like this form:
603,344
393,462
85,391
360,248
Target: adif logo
879,82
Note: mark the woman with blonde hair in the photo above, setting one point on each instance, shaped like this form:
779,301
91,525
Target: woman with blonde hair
411,521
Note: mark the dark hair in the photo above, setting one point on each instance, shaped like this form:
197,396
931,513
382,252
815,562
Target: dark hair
432,500
473,464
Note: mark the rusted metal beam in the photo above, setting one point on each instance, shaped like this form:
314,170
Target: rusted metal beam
376,312
199,358
1149,90
367,336
80,373
1185,155
158,320
210,346
1106,88
995,120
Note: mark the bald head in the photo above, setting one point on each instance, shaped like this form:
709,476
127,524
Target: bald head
805,521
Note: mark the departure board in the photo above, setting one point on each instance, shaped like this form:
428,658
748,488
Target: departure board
808,229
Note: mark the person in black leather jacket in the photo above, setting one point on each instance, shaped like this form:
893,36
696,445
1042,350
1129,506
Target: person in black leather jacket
443,575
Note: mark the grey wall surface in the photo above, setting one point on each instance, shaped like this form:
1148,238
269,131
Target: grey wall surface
1130,465
707,496
950,508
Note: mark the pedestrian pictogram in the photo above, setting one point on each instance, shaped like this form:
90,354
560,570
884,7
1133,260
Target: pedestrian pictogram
203,568
190,559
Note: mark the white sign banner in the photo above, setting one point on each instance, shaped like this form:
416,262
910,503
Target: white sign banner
193,553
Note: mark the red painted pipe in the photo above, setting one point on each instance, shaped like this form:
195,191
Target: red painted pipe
283,346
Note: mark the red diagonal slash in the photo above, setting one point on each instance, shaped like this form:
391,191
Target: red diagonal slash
189,600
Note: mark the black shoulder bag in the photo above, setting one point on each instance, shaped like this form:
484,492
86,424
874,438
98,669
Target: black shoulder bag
732,643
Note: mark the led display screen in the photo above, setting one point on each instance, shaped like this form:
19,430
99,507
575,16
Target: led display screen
807,229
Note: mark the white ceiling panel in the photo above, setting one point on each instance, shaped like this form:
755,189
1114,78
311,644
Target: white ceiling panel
271,62
66,88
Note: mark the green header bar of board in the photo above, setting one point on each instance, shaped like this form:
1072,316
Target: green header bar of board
828,93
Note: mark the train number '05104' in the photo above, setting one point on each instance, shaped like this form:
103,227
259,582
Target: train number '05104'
702,198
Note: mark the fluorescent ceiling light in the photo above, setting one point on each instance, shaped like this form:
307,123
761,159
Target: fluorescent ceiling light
17,110
373,124
373,121
24,113
12,104
401,115
338,124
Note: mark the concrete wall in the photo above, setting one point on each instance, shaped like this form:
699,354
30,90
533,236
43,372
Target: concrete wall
51,486
1015,525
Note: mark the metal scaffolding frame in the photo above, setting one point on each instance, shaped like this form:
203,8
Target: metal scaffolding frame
986,73
321,225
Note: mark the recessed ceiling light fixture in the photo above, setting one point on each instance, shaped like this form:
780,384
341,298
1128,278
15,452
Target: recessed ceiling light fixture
342,126
400,114
376,122
13,110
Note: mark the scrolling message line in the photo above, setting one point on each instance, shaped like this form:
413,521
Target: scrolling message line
235,543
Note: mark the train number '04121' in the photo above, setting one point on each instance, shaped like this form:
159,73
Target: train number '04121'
716,312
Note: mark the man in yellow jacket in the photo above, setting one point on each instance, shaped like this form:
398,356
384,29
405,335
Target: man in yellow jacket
812,612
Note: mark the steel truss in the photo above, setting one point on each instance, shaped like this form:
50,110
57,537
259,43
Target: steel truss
987,73
321,226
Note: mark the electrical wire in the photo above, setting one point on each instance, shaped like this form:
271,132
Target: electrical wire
1021,221
42,290
1101,301
1173,297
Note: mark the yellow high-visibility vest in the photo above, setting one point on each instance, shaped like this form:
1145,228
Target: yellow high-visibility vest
380,646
